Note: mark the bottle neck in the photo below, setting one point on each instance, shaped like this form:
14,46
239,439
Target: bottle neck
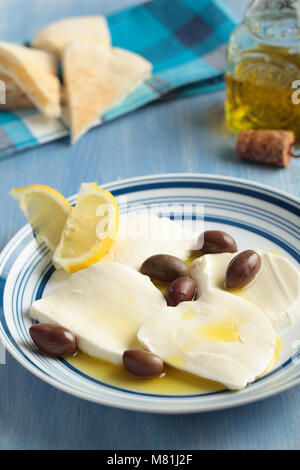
283,7
276,21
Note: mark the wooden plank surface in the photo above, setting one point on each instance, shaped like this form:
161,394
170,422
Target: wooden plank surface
177,136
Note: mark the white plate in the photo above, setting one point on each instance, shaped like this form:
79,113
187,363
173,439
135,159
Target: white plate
256,216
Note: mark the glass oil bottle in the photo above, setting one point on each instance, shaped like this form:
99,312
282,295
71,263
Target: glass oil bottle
263,68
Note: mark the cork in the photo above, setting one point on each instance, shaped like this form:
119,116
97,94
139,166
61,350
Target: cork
273,147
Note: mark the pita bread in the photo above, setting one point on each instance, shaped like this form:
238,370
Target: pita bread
16,102
96,79
16,99
55,36
14,96
35,73
10,85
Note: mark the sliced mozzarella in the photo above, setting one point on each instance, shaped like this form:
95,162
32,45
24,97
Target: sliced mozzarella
143,235
103,306
275,289
219,337
209,271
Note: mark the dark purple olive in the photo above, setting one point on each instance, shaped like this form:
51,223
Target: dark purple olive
242,269
164,268
216,241
180,290
53,339
142,364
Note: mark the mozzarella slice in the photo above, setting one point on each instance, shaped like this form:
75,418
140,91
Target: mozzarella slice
275,289
219,337
103,306
143,235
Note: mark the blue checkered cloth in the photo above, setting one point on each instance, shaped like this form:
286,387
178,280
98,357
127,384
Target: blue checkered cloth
184,39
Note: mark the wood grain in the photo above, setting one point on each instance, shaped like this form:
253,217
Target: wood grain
184,135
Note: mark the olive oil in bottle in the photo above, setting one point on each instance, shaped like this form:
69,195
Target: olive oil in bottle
263,64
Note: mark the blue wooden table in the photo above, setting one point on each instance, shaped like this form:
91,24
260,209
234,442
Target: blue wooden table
177,136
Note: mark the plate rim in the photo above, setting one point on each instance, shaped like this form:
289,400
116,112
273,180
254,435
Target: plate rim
201,175
155,407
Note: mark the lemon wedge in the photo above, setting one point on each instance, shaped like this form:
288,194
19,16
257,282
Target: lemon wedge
45,209
90,230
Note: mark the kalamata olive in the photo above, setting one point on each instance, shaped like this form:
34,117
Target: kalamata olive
164,268
142,364
242,269
180,290
216,241
53,339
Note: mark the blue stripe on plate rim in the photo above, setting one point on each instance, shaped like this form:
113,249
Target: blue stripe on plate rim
154,182
199,180
219,202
